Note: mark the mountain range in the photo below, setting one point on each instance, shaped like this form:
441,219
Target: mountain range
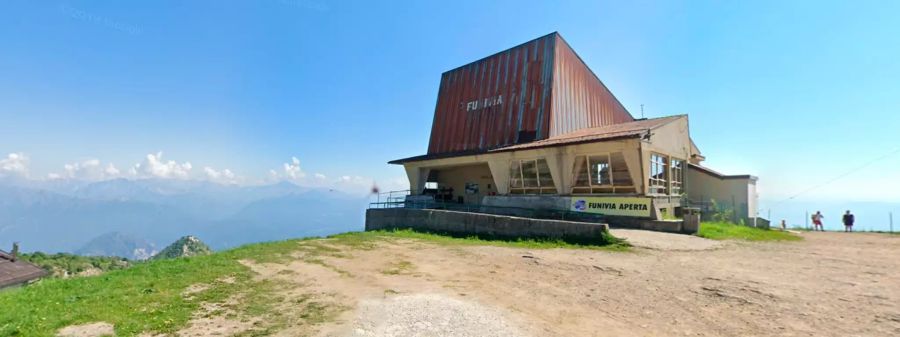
114,217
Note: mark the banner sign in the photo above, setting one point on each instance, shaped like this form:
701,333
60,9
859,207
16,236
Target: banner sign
620,206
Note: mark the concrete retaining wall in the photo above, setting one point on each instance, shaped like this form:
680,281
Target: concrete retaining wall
480,224
669,226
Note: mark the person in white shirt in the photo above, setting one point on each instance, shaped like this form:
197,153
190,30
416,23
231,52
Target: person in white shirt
817,221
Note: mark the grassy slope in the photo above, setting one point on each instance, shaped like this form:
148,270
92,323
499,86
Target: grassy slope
149,296
725,231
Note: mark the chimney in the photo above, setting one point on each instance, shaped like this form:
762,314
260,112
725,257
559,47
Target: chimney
15,251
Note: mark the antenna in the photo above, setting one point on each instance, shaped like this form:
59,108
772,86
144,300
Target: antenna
642,111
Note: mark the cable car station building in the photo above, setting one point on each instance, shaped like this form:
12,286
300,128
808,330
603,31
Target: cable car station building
534,127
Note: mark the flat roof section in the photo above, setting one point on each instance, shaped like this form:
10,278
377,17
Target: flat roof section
633,129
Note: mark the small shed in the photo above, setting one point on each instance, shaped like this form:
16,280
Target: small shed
14,271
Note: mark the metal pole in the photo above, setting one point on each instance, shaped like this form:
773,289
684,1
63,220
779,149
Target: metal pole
891,219
806,222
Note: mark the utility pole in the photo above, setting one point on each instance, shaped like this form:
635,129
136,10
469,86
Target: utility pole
807,220
891,219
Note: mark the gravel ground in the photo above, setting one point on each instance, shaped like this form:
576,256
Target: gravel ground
829,284
429,315
665,241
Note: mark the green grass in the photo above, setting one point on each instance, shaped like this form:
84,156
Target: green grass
149,297
728,231
607,242
145,297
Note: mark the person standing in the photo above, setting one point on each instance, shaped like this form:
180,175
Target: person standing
817,221
848,221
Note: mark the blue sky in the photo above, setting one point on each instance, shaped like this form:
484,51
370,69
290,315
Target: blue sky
796,93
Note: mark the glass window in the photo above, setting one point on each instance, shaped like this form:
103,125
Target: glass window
602,173
531,176
677,176
659,174
529,173
581,172
545,179
515,175
620,174
600,170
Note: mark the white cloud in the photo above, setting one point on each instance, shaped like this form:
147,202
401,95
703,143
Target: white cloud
14,164
111,170
224,176
155,166
292,170
90,169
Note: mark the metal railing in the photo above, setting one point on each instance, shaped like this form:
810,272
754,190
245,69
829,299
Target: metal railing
393,200
390,198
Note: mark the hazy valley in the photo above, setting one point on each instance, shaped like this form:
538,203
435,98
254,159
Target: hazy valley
135,218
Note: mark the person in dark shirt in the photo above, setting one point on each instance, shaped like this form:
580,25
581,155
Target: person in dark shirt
848,221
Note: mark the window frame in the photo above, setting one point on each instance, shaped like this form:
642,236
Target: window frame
524,189
593,188
655,184
680,176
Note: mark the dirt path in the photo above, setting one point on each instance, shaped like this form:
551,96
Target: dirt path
830,284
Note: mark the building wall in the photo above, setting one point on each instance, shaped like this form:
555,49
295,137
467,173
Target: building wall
673,140
458,176
467,223
738,194
560,159
488,103
580,99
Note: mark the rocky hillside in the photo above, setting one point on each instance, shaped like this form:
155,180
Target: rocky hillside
118,244
184,247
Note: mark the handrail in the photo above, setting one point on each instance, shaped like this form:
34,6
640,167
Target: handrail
542,213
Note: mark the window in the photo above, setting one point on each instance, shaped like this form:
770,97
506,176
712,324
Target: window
530,176
602,173
659,174
515,175
677,176
620,176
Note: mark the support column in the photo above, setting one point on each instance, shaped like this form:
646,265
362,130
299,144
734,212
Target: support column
500,172
637,168
417,176
560,166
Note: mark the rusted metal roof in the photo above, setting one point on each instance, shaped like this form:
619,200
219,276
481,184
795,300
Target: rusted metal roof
18,272
533,91
498,100
580,99
615,131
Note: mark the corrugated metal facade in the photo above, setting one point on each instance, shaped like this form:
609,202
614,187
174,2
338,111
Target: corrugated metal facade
580,100
485,104
529,92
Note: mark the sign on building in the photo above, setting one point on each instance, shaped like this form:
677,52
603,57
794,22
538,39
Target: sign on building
620,206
